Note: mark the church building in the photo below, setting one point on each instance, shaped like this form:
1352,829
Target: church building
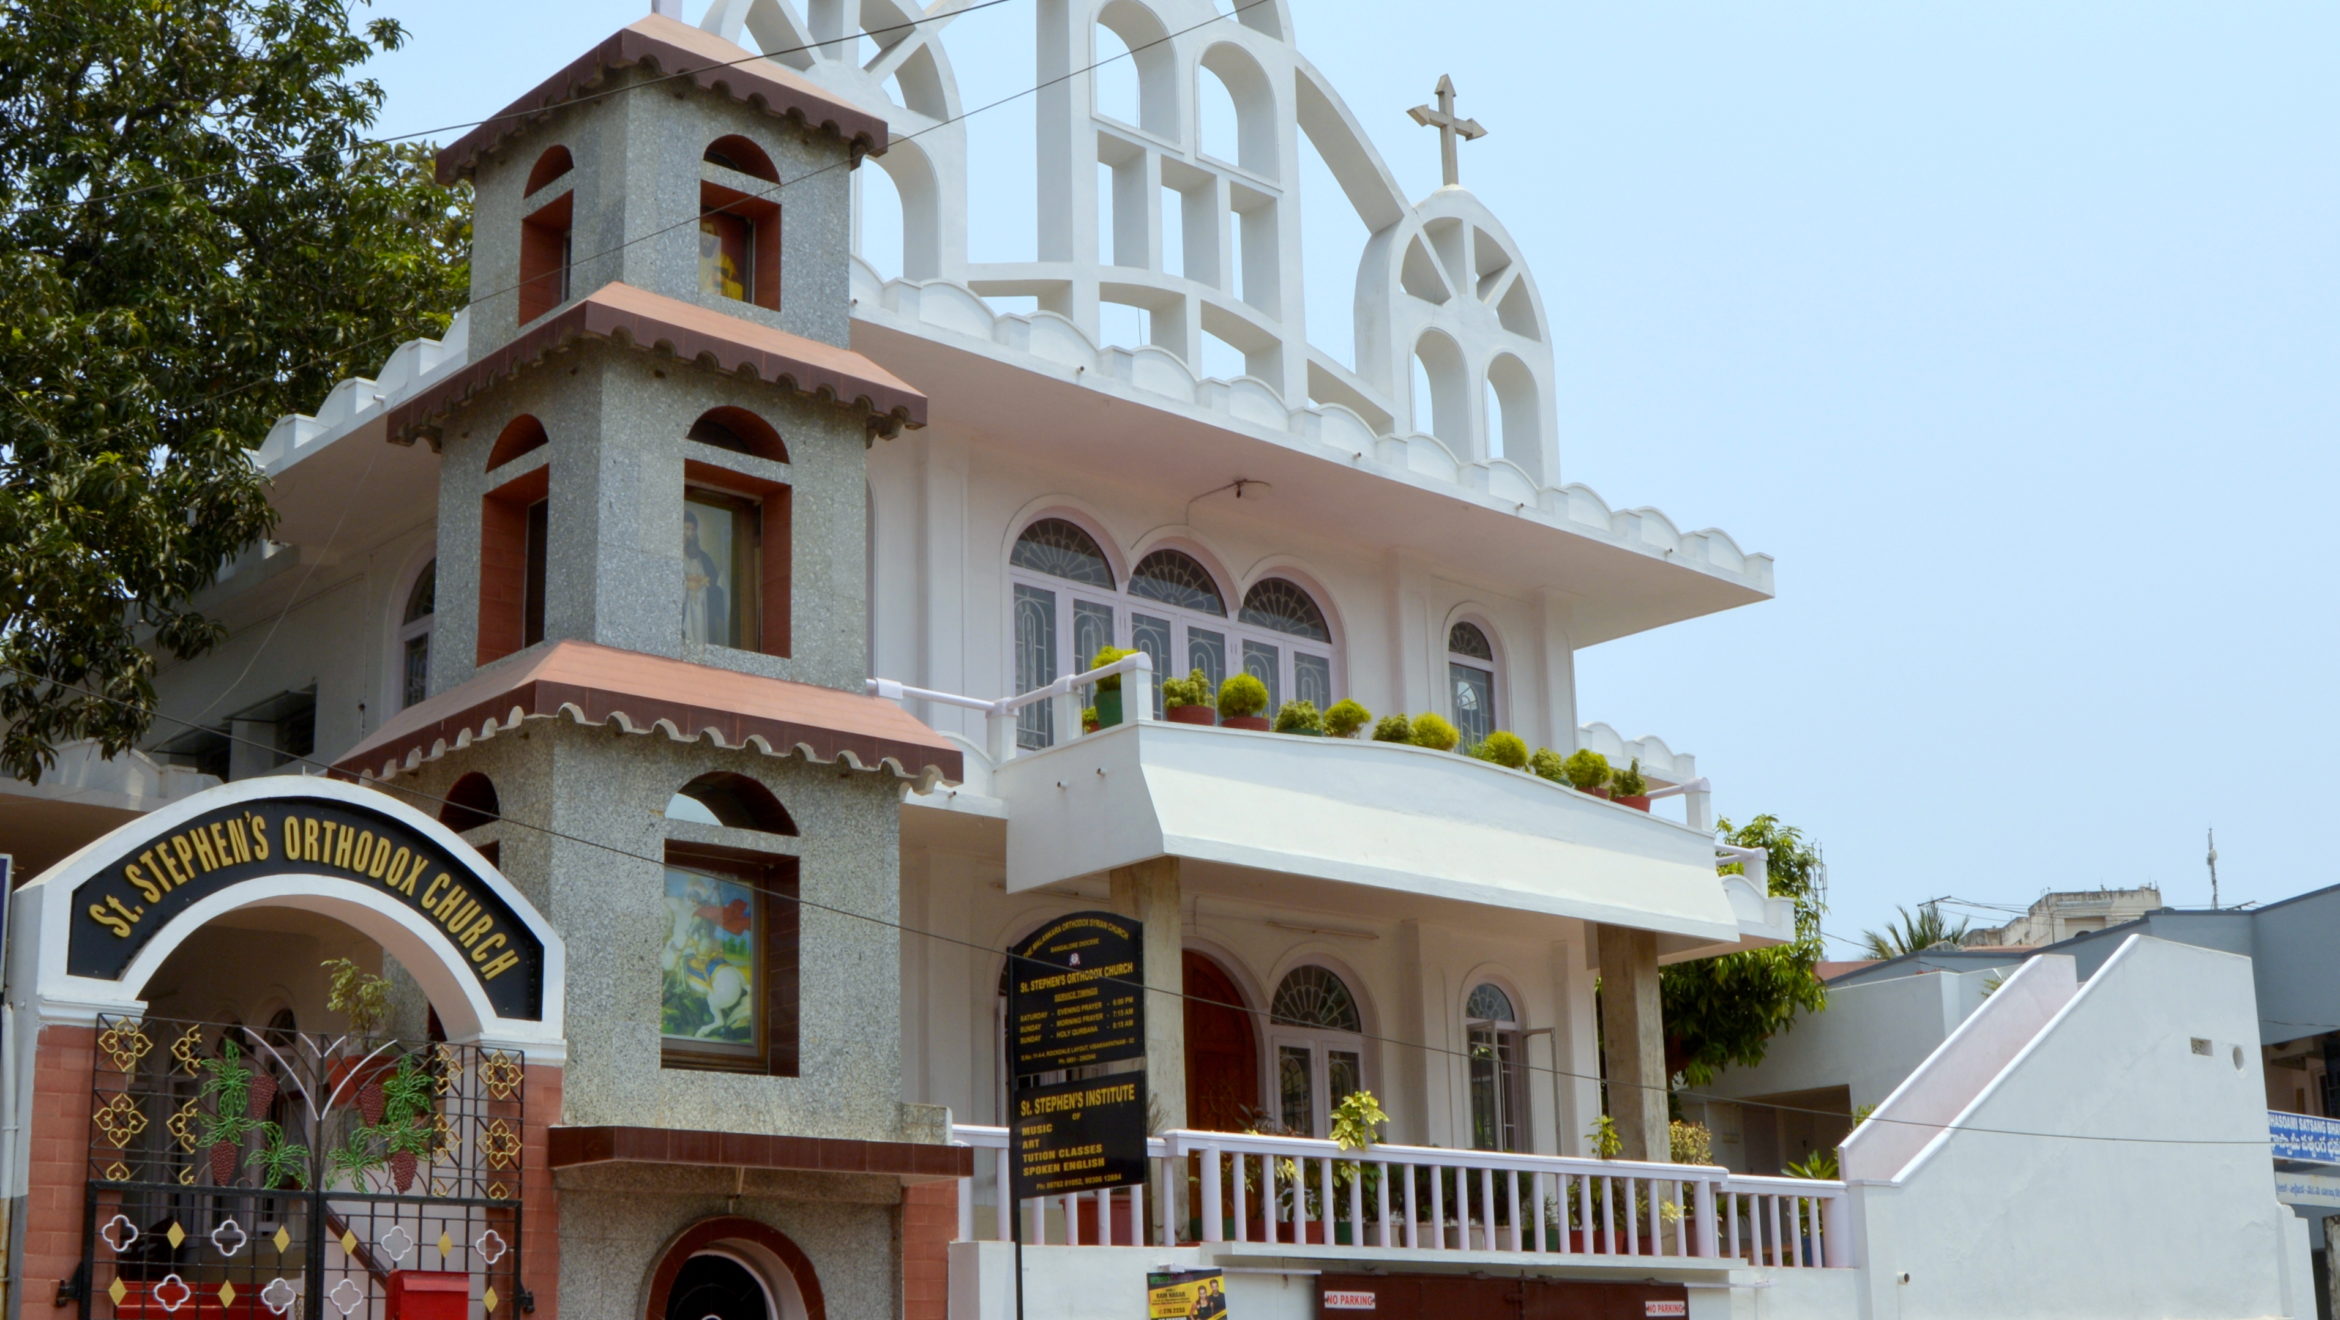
582,883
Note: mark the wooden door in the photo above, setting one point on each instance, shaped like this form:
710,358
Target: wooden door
1222,1050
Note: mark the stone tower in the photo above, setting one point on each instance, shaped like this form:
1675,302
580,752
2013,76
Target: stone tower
651,523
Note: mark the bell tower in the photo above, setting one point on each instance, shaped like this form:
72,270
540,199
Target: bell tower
652,604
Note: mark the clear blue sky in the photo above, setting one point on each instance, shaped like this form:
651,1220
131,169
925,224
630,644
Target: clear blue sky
2012,329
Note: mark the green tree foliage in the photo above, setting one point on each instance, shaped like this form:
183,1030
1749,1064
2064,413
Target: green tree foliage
1722,1012
1910,932
195,238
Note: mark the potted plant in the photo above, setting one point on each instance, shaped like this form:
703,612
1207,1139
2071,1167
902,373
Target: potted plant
1587,771
1188,700
1300,717
1089,719
363,999
1627,786
1545,764
1394,728
227,1084
1108,705
1433,732
1241,699
1344,718
1504,749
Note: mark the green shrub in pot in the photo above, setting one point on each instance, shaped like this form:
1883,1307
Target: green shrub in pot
1394,728
1344,717
1628,783
1504,749
1300,717
1545,764
1242,697
1586,770
1432,731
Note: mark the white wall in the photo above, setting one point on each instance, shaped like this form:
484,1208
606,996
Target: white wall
2175,1219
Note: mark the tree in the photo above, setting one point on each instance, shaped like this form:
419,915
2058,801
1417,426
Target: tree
1910,933
195,238
1723,1012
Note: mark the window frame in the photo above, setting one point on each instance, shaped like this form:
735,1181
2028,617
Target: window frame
772,503
1508,1038
405,630
775,879
1319,1044
1489,665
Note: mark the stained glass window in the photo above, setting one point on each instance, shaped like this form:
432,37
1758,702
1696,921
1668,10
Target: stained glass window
1176,579
1061,549
1281,606
1313,996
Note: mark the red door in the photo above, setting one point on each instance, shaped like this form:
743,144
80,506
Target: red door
1222,1050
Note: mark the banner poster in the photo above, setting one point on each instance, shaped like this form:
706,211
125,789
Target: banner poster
1186,1295
1081,1136
1076,996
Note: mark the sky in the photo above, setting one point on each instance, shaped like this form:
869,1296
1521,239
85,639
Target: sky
2012,330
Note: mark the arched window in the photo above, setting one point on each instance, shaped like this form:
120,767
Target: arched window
1287,643
1498,1072
1470,670
519,436
734,800
1178,617
1319,1042
739,232
737,153
741,432
414,636
544,237
1064,613
553,164
471,803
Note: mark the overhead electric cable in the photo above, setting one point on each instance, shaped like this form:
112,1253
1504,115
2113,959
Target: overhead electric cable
902,928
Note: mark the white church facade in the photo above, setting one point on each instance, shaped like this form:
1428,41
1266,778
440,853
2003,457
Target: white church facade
669,694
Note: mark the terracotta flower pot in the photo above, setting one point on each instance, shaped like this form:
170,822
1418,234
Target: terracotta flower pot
1255,723
1639,801
1203,715
1594,792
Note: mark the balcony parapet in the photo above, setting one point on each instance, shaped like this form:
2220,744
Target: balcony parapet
1243,1192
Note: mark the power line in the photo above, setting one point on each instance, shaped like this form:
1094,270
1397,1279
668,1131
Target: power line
901,928
546,108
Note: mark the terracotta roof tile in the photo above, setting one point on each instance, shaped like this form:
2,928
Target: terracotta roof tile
645,320
601,685
672,46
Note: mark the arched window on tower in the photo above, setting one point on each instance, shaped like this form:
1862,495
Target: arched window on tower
414,636
545,249
1319,1040
1064,589
1497,1070
739,223
1470,670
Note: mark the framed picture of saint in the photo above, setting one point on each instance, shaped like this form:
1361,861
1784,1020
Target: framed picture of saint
721,552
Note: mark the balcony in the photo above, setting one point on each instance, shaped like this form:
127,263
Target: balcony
1383,824
1233,1194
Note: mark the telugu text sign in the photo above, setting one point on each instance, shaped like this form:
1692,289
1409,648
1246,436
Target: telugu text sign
1075,995
1079,1136
2304,1138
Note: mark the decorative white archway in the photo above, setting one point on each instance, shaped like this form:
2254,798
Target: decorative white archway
101,883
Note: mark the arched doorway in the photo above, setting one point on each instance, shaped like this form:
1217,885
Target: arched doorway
1222,1049
713,1286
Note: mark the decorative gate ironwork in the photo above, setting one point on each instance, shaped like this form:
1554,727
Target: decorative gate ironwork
268,1174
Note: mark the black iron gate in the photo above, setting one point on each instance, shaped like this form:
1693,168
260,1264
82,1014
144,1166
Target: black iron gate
263,1174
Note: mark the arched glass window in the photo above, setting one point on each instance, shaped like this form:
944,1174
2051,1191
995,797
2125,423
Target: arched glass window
414,636
1291,650
1497,1070
1181,623
1319,1042
1064,614
1470,668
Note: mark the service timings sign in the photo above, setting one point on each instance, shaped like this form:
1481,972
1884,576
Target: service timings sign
1076,995
1079,1136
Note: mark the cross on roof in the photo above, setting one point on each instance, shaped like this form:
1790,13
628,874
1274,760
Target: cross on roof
1449,128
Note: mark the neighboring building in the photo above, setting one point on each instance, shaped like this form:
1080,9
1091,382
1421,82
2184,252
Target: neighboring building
2062,915
691,636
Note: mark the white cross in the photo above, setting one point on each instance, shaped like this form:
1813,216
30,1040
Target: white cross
1449,128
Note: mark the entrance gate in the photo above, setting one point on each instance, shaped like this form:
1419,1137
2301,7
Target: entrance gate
267,1174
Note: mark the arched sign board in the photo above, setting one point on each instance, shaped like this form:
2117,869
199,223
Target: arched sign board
127,900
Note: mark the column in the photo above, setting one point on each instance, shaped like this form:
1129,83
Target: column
1634,1040
1149,891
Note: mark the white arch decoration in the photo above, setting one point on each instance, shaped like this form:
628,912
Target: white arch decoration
1443,264
44,991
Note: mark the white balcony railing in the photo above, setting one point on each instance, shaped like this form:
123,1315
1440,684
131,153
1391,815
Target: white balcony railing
1252,1189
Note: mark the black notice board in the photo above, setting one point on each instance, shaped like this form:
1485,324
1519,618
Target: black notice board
1075,996
1079,1136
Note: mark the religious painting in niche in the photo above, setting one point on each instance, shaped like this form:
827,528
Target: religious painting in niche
711,994
721,553
727,245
